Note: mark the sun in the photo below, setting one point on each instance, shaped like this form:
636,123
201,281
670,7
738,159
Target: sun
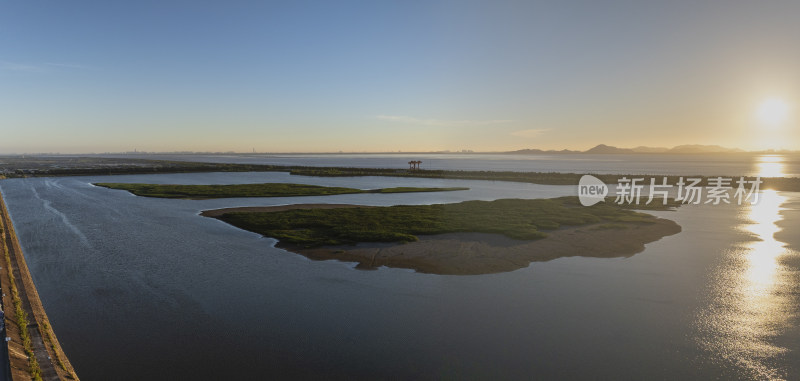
773,111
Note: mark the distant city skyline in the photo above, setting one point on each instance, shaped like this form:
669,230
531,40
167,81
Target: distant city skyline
159,76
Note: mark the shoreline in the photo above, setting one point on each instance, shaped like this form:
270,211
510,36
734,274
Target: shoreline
479,253
277,208
52,361
154,166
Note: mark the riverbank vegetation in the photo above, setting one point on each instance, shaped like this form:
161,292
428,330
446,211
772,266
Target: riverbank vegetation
252,190
83,166
544,178
20,315
514,218
77,166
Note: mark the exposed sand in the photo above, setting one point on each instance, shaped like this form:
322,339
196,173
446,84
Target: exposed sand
481,253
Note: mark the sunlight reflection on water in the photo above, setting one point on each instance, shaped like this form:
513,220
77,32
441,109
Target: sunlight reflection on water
752,302
770,166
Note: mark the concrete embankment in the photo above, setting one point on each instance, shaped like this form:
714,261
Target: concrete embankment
33,349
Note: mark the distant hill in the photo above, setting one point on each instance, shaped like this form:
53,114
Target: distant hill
538,151
606,149
527,151
697,148
643,149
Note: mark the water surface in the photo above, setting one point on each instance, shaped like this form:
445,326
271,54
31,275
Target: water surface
743,164
142,288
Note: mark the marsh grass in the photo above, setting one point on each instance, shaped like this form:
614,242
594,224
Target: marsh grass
547,178
514,218
20,314
252,190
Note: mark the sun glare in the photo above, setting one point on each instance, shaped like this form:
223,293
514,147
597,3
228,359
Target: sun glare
770,166
773,111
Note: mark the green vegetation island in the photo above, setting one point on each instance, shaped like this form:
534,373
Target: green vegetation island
201,192
466,238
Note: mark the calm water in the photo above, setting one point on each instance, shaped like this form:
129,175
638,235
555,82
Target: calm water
688,165
140,288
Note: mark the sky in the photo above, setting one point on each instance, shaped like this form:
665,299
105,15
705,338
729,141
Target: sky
376,76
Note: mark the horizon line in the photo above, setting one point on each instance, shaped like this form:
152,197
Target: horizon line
528,151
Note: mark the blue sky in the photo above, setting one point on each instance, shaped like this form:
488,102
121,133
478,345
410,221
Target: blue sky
93,76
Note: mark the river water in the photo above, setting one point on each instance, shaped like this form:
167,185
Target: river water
742,164
139,288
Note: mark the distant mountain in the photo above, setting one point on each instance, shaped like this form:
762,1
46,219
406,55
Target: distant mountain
533,151
528,151
698,148
643,149
687,148
604,149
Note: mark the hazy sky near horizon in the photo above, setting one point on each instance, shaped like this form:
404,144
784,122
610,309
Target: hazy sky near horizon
322,76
